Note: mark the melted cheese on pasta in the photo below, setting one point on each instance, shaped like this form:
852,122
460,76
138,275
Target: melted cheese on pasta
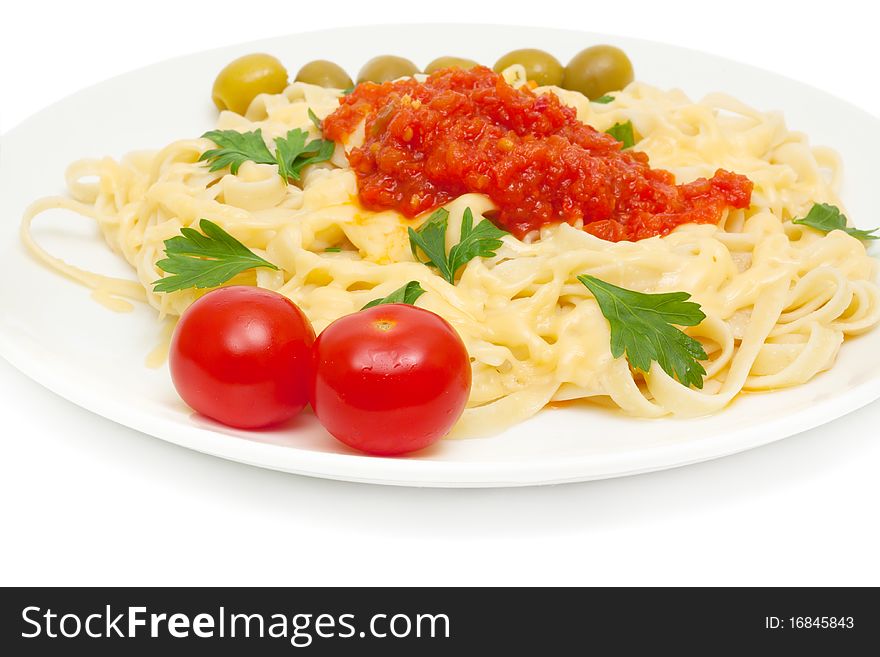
779,297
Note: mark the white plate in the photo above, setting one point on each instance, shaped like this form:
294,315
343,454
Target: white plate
52,331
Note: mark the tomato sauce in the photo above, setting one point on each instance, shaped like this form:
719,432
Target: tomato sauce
427,143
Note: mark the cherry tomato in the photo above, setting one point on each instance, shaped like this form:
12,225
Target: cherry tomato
242,356
391,379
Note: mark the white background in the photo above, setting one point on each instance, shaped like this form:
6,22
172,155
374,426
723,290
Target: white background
84,501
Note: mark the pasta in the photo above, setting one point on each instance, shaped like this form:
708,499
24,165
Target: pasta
779,297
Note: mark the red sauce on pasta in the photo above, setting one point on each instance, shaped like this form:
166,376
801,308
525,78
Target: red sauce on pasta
427,143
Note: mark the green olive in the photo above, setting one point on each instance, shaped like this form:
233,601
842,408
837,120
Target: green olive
450,62
597,70
542,67
386,67
324,74
240,82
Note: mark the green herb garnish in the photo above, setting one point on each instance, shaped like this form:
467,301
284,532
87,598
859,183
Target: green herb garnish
643,328
408,294
825,217
333,249
347,91
315,120
236,148
623,132
205,259
292,152
604,100
481,241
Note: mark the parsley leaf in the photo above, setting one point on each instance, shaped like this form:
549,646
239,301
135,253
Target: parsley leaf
287,151
204,259
315,120
481,242
603,100
623,132
642,327
408,294
293,153
235,148
333,249
431,238
825,217
347,91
